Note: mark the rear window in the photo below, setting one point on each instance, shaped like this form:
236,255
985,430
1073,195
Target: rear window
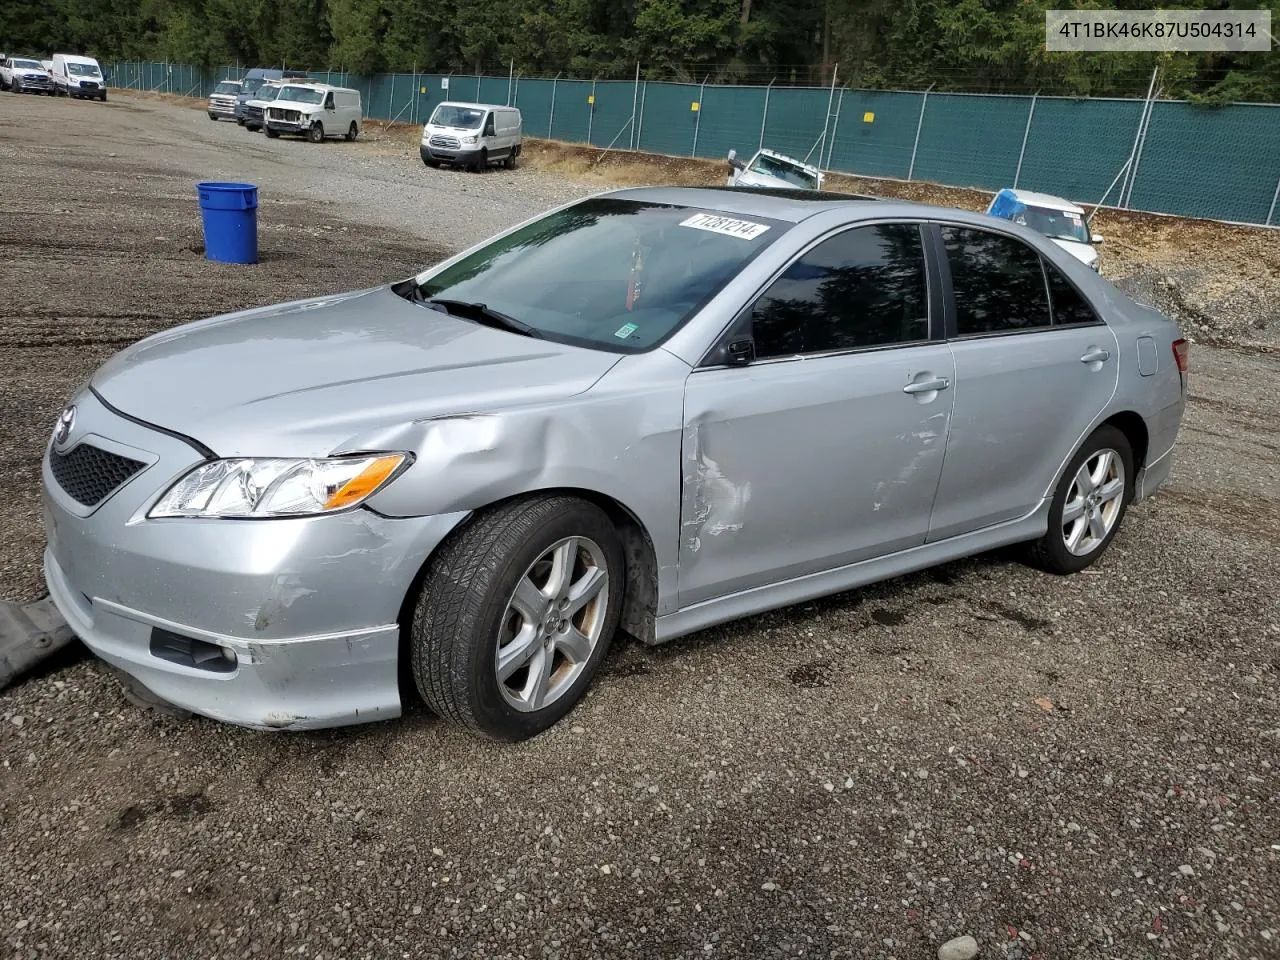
612,274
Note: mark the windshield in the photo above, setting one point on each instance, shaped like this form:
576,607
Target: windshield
1057,224
447,115
227,86
773,167
82,70
611,274
27,65
300,95
267,92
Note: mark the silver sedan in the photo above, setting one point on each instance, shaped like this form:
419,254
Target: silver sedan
646,412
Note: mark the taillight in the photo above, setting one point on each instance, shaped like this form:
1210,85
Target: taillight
1180,351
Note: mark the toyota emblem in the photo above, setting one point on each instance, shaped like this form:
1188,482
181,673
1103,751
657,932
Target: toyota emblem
66,420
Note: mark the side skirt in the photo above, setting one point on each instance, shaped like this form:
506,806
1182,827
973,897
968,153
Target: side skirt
708,613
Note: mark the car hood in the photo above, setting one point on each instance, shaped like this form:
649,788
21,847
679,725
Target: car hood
309,378
1086,253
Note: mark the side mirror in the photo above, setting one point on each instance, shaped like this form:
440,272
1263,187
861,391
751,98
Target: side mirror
739,353
734,162
1095,239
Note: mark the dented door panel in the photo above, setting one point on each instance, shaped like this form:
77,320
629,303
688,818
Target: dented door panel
798,466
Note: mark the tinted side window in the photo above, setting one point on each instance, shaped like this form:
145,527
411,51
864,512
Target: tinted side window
1068,305
863,288
997,281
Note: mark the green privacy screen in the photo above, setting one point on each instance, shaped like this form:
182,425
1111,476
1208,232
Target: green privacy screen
1221,162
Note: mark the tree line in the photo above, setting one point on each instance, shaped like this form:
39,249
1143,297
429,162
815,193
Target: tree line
993,46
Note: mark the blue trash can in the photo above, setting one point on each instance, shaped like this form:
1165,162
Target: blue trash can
230,215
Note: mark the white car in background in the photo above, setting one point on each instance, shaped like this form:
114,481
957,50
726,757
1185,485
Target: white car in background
768,168
1060,220
24,75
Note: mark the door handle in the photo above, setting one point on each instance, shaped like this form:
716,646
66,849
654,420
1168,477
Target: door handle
1096,355
927,386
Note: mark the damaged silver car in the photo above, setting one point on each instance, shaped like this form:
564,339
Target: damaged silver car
645,412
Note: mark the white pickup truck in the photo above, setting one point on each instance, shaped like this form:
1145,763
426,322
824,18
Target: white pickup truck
768,168
24,75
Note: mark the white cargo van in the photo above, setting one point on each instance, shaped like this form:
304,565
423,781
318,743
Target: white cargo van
75,76
471,135
315,110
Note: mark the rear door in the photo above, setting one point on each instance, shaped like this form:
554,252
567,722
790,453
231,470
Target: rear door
826,448
1034,366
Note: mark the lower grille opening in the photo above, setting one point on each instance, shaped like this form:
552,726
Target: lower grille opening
88,473
190,652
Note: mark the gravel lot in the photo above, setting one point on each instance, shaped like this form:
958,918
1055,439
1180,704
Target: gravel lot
1080,767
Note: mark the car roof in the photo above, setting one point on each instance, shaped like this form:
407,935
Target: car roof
76,58
1045,200
481,106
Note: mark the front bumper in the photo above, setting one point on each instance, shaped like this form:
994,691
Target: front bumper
225,110
307,607
463,154
32,84
289,126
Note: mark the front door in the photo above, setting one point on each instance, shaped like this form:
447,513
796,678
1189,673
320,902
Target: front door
1034,366
825,449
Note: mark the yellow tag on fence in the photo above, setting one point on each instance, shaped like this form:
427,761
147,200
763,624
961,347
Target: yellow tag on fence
695,106
591,98
868,118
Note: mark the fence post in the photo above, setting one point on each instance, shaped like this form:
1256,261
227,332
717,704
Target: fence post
1133,171
826,121
551,122
1025,133
417,85
697,121
391,99
591,114
511,79
1275,196
1137,139
764,115
835,129
635,100
919,124
644,90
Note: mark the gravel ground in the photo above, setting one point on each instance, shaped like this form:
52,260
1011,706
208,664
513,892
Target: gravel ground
1074,767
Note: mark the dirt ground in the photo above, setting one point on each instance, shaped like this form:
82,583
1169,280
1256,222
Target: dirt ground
1078,767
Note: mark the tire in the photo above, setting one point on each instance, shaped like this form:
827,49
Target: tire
1106,456
482,161
213,117
102,97
433,164
468,604
509,161
316,133
240,121
271,134
353,131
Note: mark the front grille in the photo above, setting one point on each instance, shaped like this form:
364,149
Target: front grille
449,143
88,473
290,116
254,113
88,85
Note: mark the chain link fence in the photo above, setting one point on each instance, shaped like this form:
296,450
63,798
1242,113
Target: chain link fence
1162,156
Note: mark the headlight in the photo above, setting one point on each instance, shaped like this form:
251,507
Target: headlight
260,487
471,139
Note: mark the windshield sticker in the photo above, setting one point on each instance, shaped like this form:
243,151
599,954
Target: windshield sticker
626,330
744,229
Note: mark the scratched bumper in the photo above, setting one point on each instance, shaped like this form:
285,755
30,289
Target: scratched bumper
308,606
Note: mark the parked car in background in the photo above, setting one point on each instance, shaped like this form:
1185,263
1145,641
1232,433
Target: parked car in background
315,111
649,411
254,79
76,76
222,102
768,168
254,111
472,135
1060,220
25,75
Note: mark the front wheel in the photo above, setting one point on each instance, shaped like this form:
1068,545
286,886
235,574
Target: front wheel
102,97
316,133
516,614
271,134
1089,504
353,131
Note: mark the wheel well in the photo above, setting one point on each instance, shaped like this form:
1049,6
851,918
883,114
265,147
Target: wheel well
640,602
1134,429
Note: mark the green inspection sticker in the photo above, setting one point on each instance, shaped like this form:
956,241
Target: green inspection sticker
626,330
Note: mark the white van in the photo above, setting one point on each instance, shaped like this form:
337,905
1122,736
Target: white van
471,135
75,76
315,110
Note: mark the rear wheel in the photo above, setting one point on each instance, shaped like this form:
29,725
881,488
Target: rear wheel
316,133
516,614
1089,504
353,131
509,161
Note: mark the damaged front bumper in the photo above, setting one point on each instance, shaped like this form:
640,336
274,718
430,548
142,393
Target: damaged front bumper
271,624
